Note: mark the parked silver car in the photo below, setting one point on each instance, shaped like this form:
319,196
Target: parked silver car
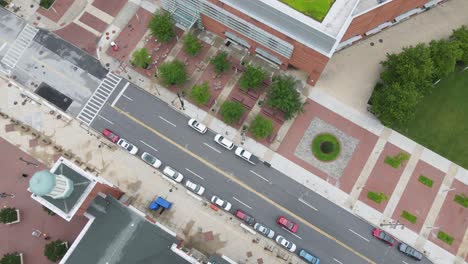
264,230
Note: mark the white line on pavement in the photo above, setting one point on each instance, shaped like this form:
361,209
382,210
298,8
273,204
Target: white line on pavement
127,97
304,202
194,174
352,231
148,145
120,94
404,262
337,261
167,121
292,233
260,176
213,148
106,119
3,46
242,202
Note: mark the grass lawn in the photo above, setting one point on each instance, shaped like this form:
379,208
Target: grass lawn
316,9
445,237
408,216
377,197
461,199
441,119
426,181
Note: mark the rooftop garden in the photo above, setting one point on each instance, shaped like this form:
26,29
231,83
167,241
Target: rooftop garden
316,9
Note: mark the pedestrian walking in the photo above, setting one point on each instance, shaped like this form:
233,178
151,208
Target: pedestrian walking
4,195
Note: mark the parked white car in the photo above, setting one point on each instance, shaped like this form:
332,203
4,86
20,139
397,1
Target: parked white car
194,187
221,203
226,143
151,160
127,146
246,155
173,174
286,243
199,127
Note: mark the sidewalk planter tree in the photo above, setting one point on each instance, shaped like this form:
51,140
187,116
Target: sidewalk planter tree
261,127
12,258
173,73
252,78
231,111
200,93
192,45
55,250
283,96
161,26
220,63
460,36
9,216
141,58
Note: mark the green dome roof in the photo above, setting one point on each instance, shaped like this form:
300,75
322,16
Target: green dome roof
42,182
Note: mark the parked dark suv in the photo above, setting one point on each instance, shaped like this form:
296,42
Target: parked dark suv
245,217
411,252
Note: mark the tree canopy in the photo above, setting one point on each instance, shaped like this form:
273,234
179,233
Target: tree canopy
231,111
444,55
141,58
161,26
200,93
261,127
460,36
252,78
283,96
192,45
220,62
55,250
173,73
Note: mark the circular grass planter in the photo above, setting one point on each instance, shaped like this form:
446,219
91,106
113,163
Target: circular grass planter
325,147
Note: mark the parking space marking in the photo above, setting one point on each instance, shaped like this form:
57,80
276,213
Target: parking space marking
242,202
127,97
337,261
194,173
352,231
148,145
404,262
292,233
106,119
260,176
167,121
304,202
211,147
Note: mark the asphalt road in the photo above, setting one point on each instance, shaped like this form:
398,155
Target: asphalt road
148,123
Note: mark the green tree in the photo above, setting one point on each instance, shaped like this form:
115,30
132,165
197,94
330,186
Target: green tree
412,65
173,73
11,258
252,78
445,55
460,36
200,93
261,127
55,250
8,215
231,111
141,58
220,62
161,26
395,105
283,95
192,45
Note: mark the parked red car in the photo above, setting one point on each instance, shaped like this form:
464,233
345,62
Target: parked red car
384,236
110,135
245,217
284,222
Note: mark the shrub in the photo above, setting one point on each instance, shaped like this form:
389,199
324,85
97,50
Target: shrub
4,4
283,96
261,127
161,26
460,36
220,63
325,147
252,78
461,199
411,218
11,258
377,197
445,237
200,93
426,181
8,215
397,160
231,111
55,250
192,45
172,73
46,3
141,58
444,55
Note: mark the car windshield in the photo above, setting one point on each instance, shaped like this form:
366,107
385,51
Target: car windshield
386,237
150,159
197,188
111,135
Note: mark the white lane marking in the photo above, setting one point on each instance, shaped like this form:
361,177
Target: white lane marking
260,176
3,46
106,119
292,233
404,262
127,97
242,202
304,202
194,173
120,94
211,147
148,145
352,231
337,261
167,121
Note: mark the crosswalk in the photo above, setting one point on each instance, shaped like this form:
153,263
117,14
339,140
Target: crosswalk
99,98
18,47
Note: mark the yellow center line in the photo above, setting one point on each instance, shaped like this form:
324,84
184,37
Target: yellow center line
245,186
